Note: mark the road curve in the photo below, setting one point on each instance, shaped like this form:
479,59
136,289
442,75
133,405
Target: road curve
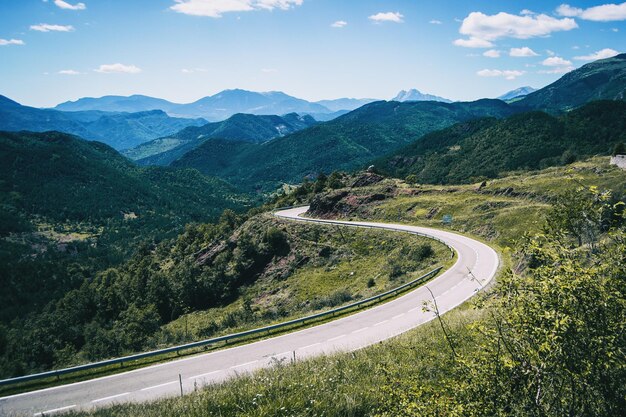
367,327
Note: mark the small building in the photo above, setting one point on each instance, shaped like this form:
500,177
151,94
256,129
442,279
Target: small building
619,160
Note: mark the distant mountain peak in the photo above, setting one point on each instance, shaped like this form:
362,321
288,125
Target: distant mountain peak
517,93
416,95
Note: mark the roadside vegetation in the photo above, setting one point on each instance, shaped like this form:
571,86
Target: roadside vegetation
244,271
547,340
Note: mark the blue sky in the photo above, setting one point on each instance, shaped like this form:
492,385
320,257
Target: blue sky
57,50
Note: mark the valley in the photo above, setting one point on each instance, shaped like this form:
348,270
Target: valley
202,177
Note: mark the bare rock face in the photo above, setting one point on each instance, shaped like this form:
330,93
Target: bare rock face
340,204
329,205
367,178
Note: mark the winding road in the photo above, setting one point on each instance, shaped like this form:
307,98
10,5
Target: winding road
367,327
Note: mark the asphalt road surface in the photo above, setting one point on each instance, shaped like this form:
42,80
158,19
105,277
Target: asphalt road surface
367,327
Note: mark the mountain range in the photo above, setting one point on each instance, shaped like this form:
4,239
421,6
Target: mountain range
226,103
260,153
217,107
242,127
380,128
345,143
116,129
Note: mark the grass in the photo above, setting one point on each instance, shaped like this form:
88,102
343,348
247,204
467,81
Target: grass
341,385
501,212
341,274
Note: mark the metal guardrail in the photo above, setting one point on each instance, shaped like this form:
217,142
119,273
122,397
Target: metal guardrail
356,224
57,373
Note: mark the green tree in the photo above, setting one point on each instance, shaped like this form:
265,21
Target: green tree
320,183
335,180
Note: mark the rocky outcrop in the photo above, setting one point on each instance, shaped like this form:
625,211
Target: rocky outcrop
619,161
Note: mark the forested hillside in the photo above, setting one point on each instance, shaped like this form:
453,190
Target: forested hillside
240,272
604,79
484,148
70,208
347,142
242,127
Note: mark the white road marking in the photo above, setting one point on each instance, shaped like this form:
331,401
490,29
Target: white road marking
415,309
381,322
55,410
398,316
111,397
314,344
158,386
360,330
203,375
243,364
336,338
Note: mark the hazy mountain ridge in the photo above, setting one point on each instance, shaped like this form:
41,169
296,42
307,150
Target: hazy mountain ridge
220,106
130,104
119,130
242,127
345,103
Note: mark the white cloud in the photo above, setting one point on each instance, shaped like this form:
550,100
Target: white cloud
522,52
4,42
507,74
492,53
487,28
550,53
216,8
45,27
395,17
473,42
435,22
556,61
615,29
602,54
192,70
339,24
65,5
69,72
568,11
560,70
527,12
118,68
602,13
